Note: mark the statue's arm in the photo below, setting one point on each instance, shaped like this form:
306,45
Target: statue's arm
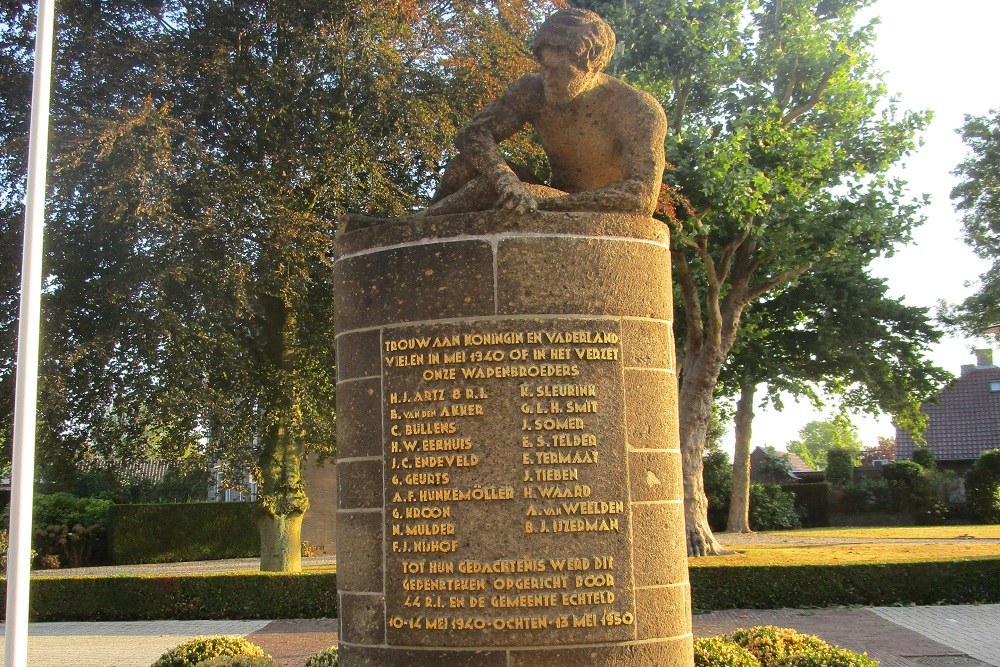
478,142
642,137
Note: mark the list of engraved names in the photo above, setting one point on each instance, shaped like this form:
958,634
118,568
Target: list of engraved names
506,491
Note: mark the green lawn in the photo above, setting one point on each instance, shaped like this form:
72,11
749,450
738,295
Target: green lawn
843,554
899,532
807,550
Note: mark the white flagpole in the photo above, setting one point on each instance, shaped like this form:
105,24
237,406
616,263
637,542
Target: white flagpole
22,474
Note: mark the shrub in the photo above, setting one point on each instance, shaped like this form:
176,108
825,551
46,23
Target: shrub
240,661
71,547
244,595
865,495
769,643
176,532
65,509
717,474
924,457
839,467
200,649
970,581
718,652
327,658
982,487
831,656
772,509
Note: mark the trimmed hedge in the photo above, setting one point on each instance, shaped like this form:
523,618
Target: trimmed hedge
245,595
313,595
947,582
176,532
812,501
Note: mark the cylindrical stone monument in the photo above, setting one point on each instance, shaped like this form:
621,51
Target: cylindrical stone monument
510,478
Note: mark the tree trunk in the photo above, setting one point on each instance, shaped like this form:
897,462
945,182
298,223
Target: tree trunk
281,498
739,499
280,542
695,404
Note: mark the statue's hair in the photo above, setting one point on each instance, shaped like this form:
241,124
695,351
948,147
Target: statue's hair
581,31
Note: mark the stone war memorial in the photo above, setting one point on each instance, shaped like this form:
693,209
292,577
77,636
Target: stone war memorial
508,458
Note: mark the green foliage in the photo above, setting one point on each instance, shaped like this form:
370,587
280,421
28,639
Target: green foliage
865,495
167,533
978,198
246,595
769,644
812,503
924,457
240,661
840,467
721,652
817,438
328,658
200,649
66,509
64,546
902,471
951,582
829,656
717,473
772,509
982,487
176,486
775,464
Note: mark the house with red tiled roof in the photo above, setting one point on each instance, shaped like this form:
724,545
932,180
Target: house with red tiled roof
964,421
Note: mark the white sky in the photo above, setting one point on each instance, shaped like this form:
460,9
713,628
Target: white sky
942,57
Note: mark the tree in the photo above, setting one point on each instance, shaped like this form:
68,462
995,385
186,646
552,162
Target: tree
834,331
203,152
818,438
978,198
781,143
885,450
840,467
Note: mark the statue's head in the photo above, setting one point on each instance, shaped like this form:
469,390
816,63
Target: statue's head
582,33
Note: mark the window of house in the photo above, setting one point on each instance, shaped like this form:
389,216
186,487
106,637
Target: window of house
995,386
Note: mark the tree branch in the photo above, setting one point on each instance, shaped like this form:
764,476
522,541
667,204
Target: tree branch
816,96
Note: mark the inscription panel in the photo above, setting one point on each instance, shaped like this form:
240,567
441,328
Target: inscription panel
506,490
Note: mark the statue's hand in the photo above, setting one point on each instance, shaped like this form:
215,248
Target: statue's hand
513,196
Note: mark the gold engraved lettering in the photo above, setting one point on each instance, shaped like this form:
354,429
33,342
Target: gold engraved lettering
424,547
461,410
430,428
453,400
585,526
560,458
586,599
596,353
528,623
447,461
583,337
552,475
428,529
438,584
406,344
524,600
565,390
404,360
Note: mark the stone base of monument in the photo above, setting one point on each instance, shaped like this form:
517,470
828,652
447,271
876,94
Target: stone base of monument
510,477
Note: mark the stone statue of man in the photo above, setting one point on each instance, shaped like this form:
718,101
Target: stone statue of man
603,138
